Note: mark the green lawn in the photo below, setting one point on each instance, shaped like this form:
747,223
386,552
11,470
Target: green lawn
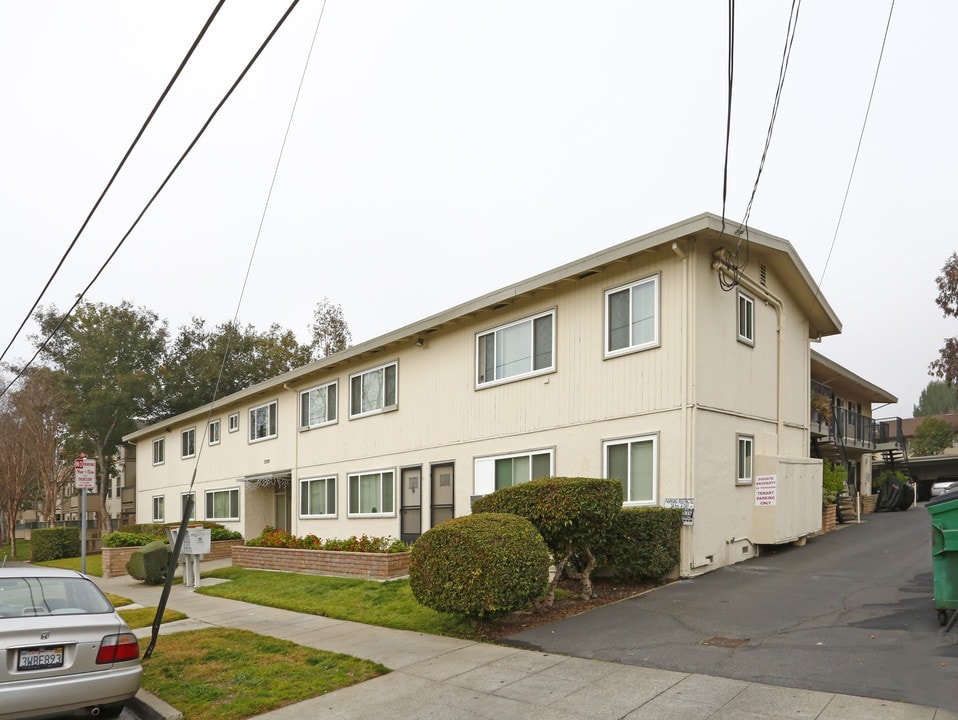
387,604
23,551
229,674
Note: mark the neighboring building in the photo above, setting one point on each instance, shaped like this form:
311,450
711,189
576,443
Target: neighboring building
925,470
657,362
842,427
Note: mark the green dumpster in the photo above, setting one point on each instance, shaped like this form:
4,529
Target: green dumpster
944,551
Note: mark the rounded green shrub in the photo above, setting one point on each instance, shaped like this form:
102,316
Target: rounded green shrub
149,563
480,566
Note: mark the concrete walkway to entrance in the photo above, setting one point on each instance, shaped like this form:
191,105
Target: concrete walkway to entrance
441,677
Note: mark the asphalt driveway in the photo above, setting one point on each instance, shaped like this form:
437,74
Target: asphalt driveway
851,612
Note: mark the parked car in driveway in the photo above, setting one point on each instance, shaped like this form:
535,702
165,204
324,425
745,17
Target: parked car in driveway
944,484
63,647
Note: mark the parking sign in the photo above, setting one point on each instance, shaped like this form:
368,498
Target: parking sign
85,469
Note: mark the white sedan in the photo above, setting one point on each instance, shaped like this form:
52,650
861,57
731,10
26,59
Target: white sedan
63,648
943,486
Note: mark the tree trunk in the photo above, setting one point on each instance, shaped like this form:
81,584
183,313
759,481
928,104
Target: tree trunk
585,575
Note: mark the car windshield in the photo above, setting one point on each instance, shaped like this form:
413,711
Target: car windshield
24,596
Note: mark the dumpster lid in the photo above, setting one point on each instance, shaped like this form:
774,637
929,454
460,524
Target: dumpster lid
950,496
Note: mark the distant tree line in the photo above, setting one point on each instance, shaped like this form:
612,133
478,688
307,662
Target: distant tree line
108,369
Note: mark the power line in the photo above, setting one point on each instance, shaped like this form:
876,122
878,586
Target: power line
152,199
728,112
783,68
858,149
174,555
113,177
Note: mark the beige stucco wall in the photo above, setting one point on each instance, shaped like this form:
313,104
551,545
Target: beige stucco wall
696,391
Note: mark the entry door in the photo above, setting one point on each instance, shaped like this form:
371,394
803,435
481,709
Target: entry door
282,510
443,494
410,511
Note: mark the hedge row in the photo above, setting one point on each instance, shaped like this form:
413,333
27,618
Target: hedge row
145,533
54,543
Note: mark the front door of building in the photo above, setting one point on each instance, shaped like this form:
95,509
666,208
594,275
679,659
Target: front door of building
443,494
410,509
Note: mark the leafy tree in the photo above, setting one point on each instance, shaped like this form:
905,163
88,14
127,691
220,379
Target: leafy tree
108,356
196,356
946,366
329,329
937,398
41,404
931,437
15,476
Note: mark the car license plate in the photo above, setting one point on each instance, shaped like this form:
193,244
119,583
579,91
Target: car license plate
40,658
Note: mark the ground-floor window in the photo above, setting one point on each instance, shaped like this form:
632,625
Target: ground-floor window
499,471
191,499
317,497
372,493
159,503
746,445
634,463
222,504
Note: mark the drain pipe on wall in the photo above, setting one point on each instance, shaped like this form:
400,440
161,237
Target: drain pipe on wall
688,547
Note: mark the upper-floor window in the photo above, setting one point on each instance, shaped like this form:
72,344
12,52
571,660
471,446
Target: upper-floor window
372,493
373,391
188,443
746,319
159,451
262,422
232,423
213,432
222,504
520,349
318,406
632,316
493,473
634,463
746,445
317,497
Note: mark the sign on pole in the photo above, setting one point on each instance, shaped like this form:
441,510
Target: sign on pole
85,473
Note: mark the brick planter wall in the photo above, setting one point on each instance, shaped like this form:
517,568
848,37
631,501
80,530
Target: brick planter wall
115,559
829,522
370,566
868,503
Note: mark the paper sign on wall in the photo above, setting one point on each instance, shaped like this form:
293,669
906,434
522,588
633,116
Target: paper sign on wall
766,490
687,505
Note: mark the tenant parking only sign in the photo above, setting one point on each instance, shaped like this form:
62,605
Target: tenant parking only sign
766,490
84,473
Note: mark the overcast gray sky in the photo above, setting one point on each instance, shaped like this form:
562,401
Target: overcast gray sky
441,150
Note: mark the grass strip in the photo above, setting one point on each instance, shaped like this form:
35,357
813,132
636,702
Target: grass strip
143,617
229,674
386,604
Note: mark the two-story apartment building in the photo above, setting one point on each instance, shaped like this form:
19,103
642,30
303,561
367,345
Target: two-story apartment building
677,362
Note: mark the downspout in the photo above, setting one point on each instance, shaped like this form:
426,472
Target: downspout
686,548
293,518
719,263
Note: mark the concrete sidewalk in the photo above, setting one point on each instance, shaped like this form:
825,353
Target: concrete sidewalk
441,677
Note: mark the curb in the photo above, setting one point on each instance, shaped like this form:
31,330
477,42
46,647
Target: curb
149,707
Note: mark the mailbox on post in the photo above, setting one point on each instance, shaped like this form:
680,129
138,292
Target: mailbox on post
196,544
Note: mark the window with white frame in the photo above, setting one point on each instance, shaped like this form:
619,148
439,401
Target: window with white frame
188,443
373,391
317,497
494,472
746,447
222,504
520,349
232,423
372,493
634,463
184,497
213,432
746,319
632,316
159,508
262,422
159,451
317,406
